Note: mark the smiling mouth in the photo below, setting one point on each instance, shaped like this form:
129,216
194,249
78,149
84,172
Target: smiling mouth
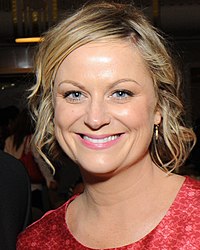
100,140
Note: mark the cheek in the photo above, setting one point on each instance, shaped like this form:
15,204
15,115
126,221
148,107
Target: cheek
59,115
62,117
136,115
133,113
65,115
62,123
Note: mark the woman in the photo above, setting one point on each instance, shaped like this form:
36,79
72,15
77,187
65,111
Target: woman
107,92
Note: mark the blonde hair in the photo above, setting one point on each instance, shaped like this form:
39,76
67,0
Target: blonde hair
104,20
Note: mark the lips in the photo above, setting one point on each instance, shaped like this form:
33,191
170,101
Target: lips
100,141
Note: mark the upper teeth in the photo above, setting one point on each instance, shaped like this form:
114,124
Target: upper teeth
102,140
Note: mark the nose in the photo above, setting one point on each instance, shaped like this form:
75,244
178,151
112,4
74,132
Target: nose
97,115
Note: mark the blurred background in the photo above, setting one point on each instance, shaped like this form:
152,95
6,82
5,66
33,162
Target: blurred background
178,19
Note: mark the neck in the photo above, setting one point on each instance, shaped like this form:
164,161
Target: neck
132,183
126,206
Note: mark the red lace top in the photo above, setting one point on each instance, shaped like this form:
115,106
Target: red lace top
178,230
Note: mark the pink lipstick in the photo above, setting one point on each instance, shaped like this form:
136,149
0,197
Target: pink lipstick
100,141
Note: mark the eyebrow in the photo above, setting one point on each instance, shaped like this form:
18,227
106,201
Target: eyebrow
77,84
124,80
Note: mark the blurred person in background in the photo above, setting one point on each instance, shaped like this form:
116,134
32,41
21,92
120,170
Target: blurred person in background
19,145
8,116
15,200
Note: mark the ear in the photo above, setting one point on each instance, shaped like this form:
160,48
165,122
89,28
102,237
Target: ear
157,117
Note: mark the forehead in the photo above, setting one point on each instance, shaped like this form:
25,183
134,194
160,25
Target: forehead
114,48
116,58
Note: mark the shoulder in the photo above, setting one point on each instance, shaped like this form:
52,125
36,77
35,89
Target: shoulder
191,186
185,214
15,199
190,196
6,158
11,171
52,216
50,229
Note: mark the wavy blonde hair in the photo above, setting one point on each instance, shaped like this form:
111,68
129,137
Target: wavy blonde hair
108,21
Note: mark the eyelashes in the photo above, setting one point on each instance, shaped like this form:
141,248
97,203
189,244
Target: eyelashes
123,93
76,96
73,96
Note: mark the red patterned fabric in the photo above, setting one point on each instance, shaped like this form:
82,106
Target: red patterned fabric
179,229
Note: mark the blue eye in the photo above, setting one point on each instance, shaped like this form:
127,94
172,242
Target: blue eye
73,96
120,94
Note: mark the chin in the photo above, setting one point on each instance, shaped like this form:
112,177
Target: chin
99,169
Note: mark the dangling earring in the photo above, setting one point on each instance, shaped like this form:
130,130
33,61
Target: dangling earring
156,131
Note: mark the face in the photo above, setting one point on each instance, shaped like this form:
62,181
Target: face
105,107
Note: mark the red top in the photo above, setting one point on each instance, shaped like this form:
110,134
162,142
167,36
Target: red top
178,230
